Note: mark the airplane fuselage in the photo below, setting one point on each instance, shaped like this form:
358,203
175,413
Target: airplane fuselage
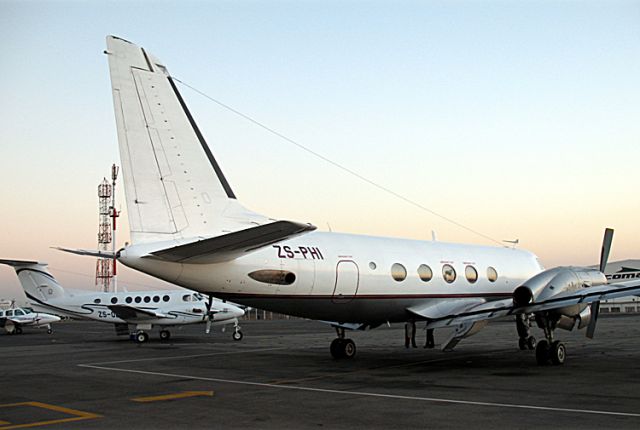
350,278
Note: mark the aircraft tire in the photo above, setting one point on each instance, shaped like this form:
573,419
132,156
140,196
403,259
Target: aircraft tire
522,343
237,335
18,330
337,351
348,348
49,331
165,334
558,352
542,353
141,337
531,343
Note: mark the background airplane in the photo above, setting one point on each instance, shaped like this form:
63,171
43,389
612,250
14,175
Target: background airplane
188,228
14,319
132,313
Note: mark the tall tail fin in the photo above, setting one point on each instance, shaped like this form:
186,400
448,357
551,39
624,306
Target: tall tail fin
174,186
37,282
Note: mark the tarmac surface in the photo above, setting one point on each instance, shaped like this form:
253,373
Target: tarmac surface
281,375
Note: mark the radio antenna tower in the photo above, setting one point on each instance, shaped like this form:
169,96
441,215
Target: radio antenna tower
106,278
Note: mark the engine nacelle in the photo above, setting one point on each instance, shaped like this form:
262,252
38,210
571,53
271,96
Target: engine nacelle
549,283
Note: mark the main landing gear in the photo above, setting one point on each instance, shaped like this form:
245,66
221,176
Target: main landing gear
549,349
525,341
165,334
341,347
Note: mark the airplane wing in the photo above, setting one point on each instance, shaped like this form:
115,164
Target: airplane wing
232,245
502,308
128,313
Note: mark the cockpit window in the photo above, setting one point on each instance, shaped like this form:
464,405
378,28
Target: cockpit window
186,298
19,312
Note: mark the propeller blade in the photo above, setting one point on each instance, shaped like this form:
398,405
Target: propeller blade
207,330
606,247
591,328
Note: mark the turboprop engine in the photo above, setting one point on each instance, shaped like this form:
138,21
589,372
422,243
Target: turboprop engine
547,284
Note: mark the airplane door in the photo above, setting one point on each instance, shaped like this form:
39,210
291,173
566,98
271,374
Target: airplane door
347,281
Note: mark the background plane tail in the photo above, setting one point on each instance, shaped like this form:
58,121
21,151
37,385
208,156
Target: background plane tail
174,187
37,282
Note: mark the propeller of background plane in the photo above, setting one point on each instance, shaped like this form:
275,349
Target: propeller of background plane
604,256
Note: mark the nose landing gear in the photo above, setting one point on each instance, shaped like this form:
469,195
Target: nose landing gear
341,347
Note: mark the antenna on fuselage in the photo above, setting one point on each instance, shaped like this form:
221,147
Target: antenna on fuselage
512,242
434,236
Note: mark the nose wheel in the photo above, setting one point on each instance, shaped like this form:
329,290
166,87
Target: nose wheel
237,332
341,347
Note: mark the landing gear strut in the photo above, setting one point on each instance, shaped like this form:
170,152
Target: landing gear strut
341,347
237,332
549,349
525,341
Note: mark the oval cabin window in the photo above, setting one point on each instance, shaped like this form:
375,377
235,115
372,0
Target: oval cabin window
492,274
398,272
425,272
471,274
448,273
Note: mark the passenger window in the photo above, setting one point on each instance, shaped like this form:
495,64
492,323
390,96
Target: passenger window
147,299
114,300
128,300
372,265
398,272
9,313
97,301
448,273
425,272
492,274
165,298
137,299
156,299
19,312
471,274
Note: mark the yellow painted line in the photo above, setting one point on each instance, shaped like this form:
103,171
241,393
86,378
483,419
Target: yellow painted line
174,396
77,415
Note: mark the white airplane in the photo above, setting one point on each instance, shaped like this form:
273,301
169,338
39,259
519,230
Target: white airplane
141,309
188,228
12,320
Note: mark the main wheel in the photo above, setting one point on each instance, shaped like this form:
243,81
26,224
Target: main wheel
49,331
336,348
142,337
165,334
522,343
542,352
237,335
348,348
531,343
558,352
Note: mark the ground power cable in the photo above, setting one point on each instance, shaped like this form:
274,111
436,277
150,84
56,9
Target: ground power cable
337,165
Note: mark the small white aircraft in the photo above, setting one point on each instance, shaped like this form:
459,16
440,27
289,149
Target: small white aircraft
188,228
141,309
12,320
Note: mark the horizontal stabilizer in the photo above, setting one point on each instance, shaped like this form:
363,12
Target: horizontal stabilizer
232,245
20,263
89,252
128,313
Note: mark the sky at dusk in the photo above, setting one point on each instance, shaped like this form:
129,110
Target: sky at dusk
515,119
